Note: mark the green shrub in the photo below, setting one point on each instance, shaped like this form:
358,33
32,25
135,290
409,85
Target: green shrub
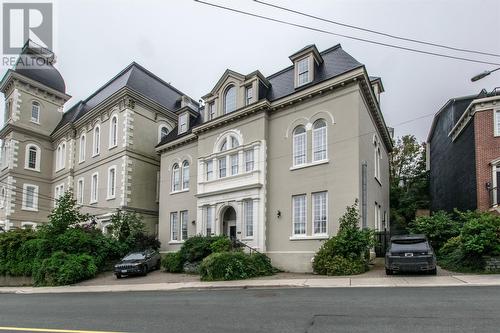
234,266
450,246
222,244
62,268
438,228
345,254
198,247
172,262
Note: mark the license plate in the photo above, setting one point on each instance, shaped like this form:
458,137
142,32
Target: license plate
124,271
409,254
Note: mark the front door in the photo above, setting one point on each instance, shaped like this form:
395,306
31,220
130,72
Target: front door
232,231
229,222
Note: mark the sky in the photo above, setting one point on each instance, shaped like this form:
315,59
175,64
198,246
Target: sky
190,45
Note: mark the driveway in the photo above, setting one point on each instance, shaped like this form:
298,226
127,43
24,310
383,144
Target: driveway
377,270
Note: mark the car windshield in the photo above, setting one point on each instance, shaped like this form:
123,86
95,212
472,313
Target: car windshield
134,256
409,244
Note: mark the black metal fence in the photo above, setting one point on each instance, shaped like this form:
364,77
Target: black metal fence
382,238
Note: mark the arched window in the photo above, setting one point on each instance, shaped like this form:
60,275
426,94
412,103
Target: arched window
223,145
234,142
113,132
377,157
35,112
162,133
176,178
81,155
3,197
319,140
185,175
61,156
299,145
97,140
230,99
32,158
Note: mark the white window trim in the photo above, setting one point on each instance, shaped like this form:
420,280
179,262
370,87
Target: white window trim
245,211
111,144
182,176
160,128
94,188
294,235
172,187
250,100
110,195
82,149
35,198
181,238
176,227
78,188
180,130
3,197
496,120
33,225
312,214
35,121
293,148
61,156
309,69
326,142
96,148
27,155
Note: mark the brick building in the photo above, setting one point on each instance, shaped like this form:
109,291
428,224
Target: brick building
464,153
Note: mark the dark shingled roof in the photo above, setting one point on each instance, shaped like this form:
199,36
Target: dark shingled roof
335,62
134,77
173,135
40,71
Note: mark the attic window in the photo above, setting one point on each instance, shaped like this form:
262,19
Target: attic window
183,123
303,76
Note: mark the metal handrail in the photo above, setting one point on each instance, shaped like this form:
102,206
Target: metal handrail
240,243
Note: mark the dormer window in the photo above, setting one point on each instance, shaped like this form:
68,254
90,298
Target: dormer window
248,95
211,111
303,71
230,99
183,123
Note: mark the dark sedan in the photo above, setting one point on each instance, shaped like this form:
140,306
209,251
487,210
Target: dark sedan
138,263
410,253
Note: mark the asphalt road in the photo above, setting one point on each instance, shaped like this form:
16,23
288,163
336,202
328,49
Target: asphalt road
436,309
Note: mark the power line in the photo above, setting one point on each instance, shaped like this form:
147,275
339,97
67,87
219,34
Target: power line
377,32
347,36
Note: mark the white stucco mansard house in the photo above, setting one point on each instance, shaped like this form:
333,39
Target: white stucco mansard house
274,161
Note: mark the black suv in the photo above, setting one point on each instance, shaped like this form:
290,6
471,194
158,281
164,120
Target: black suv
410,253
138,263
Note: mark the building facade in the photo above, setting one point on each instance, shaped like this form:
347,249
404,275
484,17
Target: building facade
274,161
102,148
464,154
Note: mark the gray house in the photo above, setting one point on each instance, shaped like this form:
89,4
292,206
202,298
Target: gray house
274,161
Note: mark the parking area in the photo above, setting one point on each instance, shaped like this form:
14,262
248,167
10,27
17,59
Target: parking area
377,270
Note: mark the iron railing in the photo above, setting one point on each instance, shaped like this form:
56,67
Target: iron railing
238,243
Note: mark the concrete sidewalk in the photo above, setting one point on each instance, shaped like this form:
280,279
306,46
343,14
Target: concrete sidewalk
331,282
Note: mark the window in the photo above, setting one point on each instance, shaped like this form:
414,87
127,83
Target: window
249,160
234,164
81,154
210,170
378,217
176,186
30,197
303,71
248,95
183,123
35,112
79,191
61,156
376,159
320,212
59,192
230,100
234,142
3,196
184,225
299,214
32,161
162,132
211,111
8,110
174,233
223,146
222,167
299,146
113,132
209,219
248,218
185,175
94,186
97,140
319,140
497,123
112,182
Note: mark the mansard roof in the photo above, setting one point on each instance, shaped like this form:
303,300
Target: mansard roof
134,77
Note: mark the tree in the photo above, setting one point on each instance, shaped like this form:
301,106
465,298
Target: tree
65,214
126,225
409,182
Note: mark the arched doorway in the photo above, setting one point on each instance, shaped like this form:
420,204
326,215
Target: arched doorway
229,222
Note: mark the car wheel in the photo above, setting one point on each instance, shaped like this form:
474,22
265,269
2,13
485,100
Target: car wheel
388,271
118,276
433,271
145,270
